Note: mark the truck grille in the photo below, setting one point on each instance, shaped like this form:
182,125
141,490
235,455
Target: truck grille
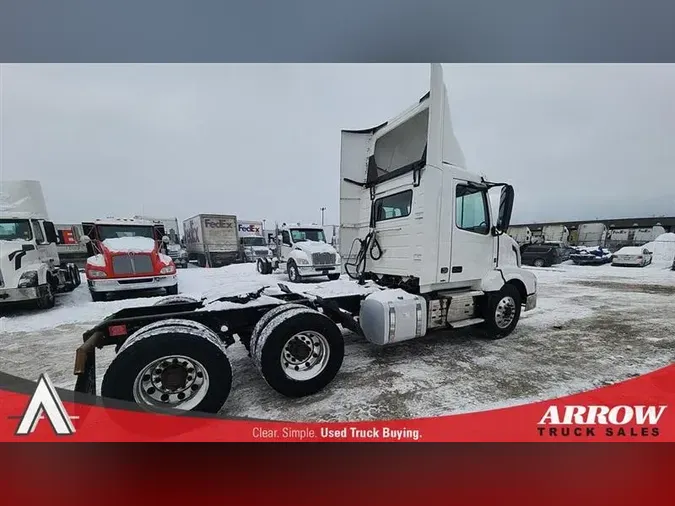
132,264
323,258
261,253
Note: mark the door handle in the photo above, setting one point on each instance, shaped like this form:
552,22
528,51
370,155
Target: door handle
457,269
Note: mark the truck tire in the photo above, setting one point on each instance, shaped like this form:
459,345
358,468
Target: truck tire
266,318
263,266
172,290
333,277
299,352
98,296
171,364
73,277
175,299
502,312
293,272
46,299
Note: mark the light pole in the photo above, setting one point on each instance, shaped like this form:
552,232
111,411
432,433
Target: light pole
322,211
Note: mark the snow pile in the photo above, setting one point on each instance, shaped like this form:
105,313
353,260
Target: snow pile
129,244
96,261
663,248
165,259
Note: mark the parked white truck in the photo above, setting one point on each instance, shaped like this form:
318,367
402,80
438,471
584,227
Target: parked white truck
211,240
555,234
426,244
174,248
521,234
252,242
30,268
303,252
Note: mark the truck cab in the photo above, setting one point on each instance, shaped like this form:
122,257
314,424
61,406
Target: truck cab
30,267
127,255
414,217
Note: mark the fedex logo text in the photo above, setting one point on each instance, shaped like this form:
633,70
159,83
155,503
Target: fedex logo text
620,420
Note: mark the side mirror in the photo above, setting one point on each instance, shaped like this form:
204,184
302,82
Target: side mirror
166,239
85,239
50,233
505,208
280,237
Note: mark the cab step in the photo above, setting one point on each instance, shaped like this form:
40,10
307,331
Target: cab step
461,293
466,323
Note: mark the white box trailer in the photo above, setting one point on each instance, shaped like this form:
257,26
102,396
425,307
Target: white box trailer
171,227
555,233
592,234
70,246
522,235
212,240
30,267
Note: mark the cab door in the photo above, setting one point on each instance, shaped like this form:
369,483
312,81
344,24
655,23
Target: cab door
472,247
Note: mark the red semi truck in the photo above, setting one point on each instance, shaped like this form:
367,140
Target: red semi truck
127,255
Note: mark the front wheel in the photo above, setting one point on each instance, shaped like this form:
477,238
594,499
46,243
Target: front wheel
539,262
333,277
172,290
502,312
293,272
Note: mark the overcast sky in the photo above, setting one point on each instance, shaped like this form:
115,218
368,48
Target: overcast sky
262,141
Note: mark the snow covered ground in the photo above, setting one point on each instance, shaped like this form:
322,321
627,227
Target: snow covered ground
593,325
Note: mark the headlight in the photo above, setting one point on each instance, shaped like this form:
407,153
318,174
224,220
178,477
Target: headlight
337,258
93,273
28,279
302,261
169,269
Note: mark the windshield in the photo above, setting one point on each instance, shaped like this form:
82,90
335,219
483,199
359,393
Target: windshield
307,234
253,241
11,230
115,231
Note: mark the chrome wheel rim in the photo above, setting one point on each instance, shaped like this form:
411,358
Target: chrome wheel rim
173,381
305,356
293,273
506,312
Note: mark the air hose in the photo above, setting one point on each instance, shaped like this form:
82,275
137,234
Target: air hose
367,246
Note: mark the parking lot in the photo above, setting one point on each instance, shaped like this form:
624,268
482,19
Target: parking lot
594,325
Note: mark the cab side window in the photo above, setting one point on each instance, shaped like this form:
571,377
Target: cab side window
471,209
286,238
37,232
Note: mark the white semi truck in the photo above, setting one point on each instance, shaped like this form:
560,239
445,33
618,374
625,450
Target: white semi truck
302,252
30,268
416,230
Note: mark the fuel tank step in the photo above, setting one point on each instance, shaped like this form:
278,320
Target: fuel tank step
466,323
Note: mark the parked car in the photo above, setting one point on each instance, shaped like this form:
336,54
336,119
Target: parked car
542,255
636,256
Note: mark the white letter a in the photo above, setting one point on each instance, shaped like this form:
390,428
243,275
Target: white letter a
45,400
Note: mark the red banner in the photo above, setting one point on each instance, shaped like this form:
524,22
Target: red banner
638,410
